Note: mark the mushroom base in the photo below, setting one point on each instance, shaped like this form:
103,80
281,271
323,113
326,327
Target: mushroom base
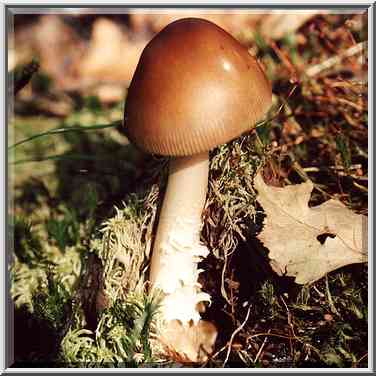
189,343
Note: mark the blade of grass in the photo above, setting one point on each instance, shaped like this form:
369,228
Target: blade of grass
65,130
62,157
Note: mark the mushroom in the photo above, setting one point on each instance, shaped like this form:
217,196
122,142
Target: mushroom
195,87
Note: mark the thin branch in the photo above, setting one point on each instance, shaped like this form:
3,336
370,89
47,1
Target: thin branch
329,296
314,70
236,331
360,359
280,108
261,348
273,335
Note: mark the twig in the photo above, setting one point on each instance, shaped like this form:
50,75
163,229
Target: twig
300,171
330,300
329,63
236,331
339,171
360,359
219,351
289,321
273,335
280,108
321,295
361,187
294,337
223,289
261,348
286,61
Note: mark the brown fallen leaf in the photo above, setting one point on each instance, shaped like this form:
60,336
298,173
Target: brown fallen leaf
307,243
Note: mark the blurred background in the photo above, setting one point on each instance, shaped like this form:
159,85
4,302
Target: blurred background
82,50
97,53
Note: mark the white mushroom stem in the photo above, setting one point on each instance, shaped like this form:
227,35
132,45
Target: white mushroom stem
177,248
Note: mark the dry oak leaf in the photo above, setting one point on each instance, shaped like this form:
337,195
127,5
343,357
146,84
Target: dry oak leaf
308,242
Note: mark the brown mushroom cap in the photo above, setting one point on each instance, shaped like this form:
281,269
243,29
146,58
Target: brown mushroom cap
194,88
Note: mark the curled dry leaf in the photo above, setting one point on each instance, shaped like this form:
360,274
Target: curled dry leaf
307,243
